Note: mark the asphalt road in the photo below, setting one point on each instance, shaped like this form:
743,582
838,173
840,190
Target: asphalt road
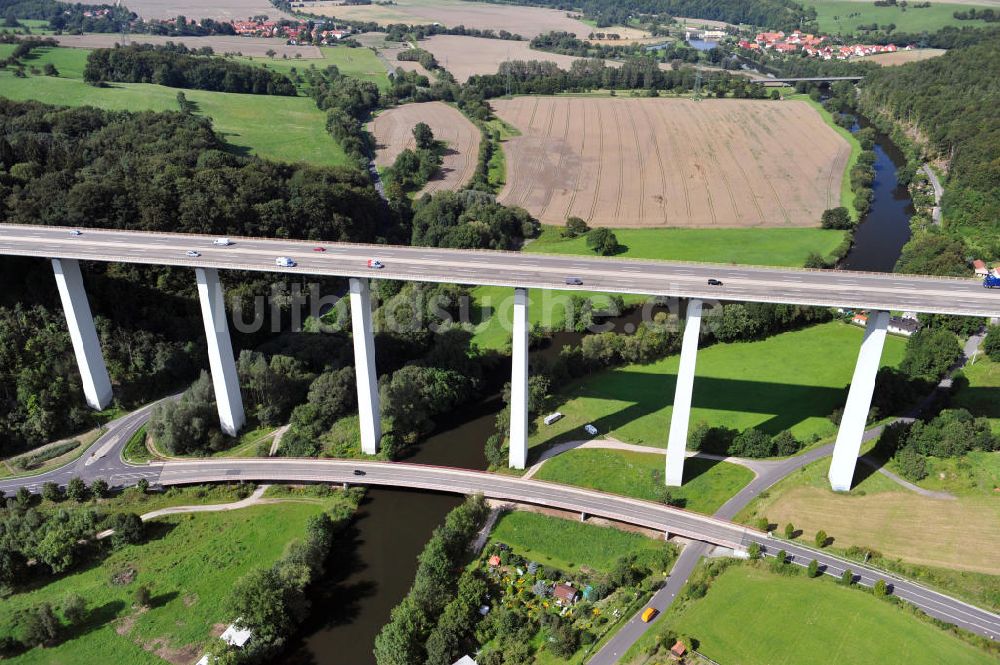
103,460
834,288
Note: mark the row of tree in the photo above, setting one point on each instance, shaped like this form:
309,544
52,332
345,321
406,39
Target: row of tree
427,612
950,434
271,602
949,101
177,66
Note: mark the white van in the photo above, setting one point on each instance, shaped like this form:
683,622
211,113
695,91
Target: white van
284,262
222,242
552,417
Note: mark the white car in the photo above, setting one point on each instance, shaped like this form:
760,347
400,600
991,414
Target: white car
76,232
590,429
375,264
222,242
193,254
284,262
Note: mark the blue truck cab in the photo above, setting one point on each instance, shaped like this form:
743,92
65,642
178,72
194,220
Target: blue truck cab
991,282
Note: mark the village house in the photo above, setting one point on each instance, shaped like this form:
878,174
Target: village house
900,326
678,650
564,594
860,320
979,266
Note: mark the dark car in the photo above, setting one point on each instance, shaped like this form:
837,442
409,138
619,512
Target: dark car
359,472
714,282
574,281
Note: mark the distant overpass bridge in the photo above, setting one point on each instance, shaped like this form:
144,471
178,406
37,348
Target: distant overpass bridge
810,79
699,283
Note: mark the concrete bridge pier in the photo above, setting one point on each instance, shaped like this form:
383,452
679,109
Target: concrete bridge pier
859,400
220,351
519,383
80,321
369,410
681,415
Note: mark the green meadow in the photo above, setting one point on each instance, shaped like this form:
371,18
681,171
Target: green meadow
844,16
756,617
189,562
706,486
791,381
568,544
288,129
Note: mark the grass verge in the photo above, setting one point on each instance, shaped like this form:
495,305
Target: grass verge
190,562
768,247
707,484
792,381
754,616
570,545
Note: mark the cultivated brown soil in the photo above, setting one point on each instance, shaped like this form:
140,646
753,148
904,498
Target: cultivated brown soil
903,57
393,132
250,46
470,56
197,9
671,162
897,524
525,21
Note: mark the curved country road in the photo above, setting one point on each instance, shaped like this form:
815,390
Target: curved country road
103,460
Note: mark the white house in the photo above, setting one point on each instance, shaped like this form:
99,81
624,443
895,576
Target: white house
901,326
464,660
236,637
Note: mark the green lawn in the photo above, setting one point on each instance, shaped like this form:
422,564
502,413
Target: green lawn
568,544
289,129
707,484
770,247
776,247
789,381
360,63
190,563
982,394
753,616
844,16
69,61
493,306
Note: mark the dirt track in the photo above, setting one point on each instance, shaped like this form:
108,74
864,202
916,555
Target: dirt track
393,132
671,162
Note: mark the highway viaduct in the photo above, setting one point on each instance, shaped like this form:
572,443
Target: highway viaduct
876,292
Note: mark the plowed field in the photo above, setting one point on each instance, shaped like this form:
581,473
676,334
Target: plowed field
671,162
393,132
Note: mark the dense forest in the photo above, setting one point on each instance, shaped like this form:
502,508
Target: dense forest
178,67
783,14
949,106
144,171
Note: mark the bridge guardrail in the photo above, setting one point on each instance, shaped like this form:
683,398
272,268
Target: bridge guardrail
494,252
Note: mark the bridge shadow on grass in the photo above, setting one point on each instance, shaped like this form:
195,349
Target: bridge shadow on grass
785,404
156,529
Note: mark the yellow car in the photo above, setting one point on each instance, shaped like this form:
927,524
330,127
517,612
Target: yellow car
648,614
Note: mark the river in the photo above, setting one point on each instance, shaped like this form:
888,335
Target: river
373,567
880,236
